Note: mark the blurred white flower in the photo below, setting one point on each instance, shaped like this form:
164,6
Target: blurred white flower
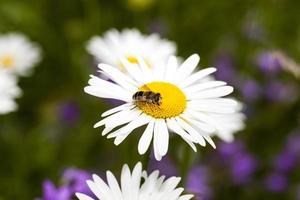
130,44
191,105
8,92
135,185
17,54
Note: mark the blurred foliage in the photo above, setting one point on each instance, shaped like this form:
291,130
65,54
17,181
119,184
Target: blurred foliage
36,144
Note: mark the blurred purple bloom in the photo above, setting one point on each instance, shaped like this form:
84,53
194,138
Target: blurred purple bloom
277,91
165,166
224,64
229,150
76,180
293,144
285,161
197,183
268,62
251,91
69,112
243,167
276,182
53,193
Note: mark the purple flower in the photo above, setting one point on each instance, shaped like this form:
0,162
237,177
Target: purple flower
69,112
243,167
76,180
277,91
276,182
50,192
197,183
293,144
165,166
224,64
228,150
285,161
268,62
251,91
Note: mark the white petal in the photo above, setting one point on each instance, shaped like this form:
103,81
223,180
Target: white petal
118,77
126,182
197,76
136,180
117,109
106,130
172,124
171,69
202,125
226,102
119,118
205,134
83,197
186,197
203,86
147,72
99,189
156,143
146,138
212,93
206,108
161,134
201,117
194,134
105,89
122,133
113,185
187,67
133,70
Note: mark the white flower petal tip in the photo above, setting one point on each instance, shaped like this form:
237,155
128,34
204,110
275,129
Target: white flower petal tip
191,104
81,196
9,90
135,184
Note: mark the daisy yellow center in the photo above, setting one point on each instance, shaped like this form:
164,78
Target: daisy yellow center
132,60
173,100
7,61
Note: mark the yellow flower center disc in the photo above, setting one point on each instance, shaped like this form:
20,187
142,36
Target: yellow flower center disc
7,61
133,60
173,101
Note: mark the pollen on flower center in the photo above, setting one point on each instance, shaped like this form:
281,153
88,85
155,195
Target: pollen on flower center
7,61
173,100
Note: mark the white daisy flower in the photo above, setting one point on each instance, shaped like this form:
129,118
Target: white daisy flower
17,54
137,185
8,91
131,44
188,106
